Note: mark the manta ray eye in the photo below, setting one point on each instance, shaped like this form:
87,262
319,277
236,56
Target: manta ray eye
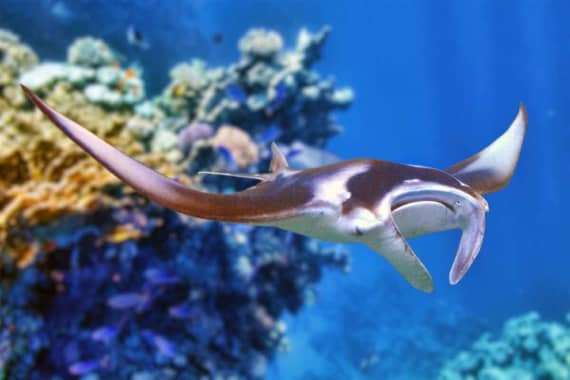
457,204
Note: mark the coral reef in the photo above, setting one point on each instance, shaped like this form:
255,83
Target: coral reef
90,52
15,57
267,88
182,300
261,43
94,69
528,348
97,282
193,133
241,147
45,176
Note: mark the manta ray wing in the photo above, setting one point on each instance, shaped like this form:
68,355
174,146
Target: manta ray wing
391,244
492,168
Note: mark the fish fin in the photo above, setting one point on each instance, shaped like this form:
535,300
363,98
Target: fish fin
259,177
394,248
278,160
473,231
492,168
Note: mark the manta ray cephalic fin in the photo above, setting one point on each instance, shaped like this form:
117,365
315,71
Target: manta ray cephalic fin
393,247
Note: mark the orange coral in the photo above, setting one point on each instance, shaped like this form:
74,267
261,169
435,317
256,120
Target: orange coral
243,148
44,176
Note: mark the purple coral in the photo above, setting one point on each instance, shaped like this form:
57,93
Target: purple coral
192,133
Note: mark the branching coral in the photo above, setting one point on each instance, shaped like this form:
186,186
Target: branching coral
528,348
267,87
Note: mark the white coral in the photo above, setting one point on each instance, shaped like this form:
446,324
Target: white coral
193,74
91,52
260,42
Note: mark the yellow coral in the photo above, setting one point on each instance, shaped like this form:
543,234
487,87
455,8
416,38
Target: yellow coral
44,176
14,57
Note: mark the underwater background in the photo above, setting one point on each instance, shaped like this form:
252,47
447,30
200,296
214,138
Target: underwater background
98,283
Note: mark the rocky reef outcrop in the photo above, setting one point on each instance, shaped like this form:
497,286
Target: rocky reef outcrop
528,348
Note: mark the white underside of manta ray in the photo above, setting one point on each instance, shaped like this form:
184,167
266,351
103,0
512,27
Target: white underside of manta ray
372,202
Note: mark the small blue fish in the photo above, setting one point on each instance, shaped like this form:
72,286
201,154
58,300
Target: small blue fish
125,300
180,311
236,93
105,334
83,368
160,277
163,345
227,156
279,96
218,38
270,135
293,152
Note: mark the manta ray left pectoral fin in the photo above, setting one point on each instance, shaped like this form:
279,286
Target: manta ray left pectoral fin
278,164
492,168
393,247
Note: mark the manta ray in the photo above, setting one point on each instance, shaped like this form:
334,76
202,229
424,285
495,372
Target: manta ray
367,201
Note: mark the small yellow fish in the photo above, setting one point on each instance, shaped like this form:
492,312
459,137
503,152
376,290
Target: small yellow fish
179,91
130,73
123,233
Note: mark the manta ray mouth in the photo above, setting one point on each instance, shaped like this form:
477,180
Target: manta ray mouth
403,203
429,208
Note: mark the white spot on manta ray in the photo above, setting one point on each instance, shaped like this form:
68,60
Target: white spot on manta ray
333,188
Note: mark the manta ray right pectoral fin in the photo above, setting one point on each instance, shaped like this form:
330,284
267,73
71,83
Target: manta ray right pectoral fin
492,168
392,245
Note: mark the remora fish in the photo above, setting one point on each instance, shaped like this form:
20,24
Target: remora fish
373,202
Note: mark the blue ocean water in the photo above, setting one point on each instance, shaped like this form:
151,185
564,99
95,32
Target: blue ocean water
435,82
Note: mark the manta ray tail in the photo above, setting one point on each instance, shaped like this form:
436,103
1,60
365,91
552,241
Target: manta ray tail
258,177
492,168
